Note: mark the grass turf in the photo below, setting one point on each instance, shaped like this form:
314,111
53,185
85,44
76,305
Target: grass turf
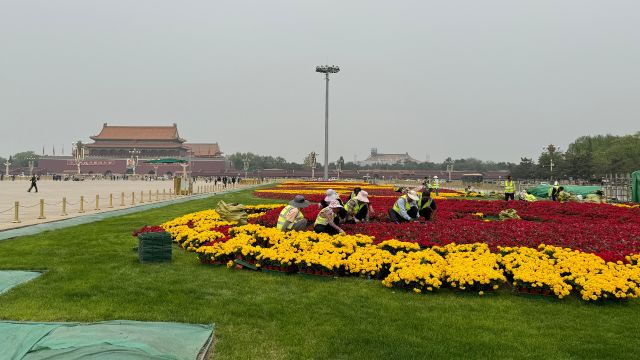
93,275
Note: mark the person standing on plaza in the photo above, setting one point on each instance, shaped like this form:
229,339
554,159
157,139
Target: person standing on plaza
224,181
509,189
33,183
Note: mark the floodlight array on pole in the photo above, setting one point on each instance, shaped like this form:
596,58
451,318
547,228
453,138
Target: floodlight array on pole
326,70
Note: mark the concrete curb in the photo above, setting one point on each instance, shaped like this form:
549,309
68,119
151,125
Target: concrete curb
86,219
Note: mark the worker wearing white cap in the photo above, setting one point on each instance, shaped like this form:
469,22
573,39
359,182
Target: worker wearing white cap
325,221
358,208
405,208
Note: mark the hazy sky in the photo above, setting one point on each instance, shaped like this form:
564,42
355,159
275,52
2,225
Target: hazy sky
489,79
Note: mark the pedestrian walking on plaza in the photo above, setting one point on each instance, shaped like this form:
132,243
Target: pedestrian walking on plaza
233,181
224,181
509,189
291,217
33,184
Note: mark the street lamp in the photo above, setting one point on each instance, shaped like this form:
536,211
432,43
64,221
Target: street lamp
78,150
326,70
134,159
339,165
245,163
6,166
31,160
312,164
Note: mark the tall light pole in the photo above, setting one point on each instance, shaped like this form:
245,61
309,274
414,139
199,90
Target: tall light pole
326,70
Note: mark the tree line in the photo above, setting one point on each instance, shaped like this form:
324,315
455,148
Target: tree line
586,158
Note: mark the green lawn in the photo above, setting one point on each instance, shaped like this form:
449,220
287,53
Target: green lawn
93,274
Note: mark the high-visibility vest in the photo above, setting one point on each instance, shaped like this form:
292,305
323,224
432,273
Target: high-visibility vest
509,187
354,205
436,183
353,195
282,218
407,204
321,220
551,188
427,204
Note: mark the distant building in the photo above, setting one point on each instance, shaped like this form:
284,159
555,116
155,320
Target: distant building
376,158
111,153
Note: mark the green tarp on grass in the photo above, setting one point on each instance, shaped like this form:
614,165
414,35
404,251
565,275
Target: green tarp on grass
542,191
11,278
118,339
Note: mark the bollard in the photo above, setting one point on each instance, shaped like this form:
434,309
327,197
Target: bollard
122,199
110,200
164,194
16,218
157,195
64,207
41,210
150,196
97,202
81,204
133,198
141,197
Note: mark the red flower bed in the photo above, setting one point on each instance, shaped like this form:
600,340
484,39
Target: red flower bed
146,229
608,231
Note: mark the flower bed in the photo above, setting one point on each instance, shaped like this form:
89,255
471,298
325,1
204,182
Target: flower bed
555,249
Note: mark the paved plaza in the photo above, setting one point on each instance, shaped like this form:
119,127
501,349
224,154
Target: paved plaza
53,192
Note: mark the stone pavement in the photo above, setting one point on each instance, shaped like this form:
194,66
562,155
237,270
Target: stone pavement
52,193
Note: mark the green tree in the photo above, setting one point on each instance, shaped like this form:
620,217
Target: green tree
21,159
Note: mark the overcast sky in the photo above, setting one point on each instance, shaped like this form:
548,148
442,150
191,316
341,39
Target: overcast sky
487,79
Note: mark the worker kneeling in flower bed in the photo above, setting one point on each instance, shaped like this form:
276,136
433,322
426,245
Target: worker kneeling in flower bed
358,208
291,217
405,208
426,205
325,221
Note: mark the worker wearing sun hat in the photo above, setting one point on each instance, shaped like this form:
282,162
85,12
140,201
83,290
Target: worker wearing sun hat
554,191
291,217
358,208
405,208
325,221
332,195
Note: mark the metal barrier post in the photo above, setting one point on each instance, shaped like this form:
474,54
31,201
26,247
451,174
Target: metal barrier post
122,198
157,195
164,194
110,200
16,217
81,204
97,202
41,210
64,207
150,196
141,196
133,198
